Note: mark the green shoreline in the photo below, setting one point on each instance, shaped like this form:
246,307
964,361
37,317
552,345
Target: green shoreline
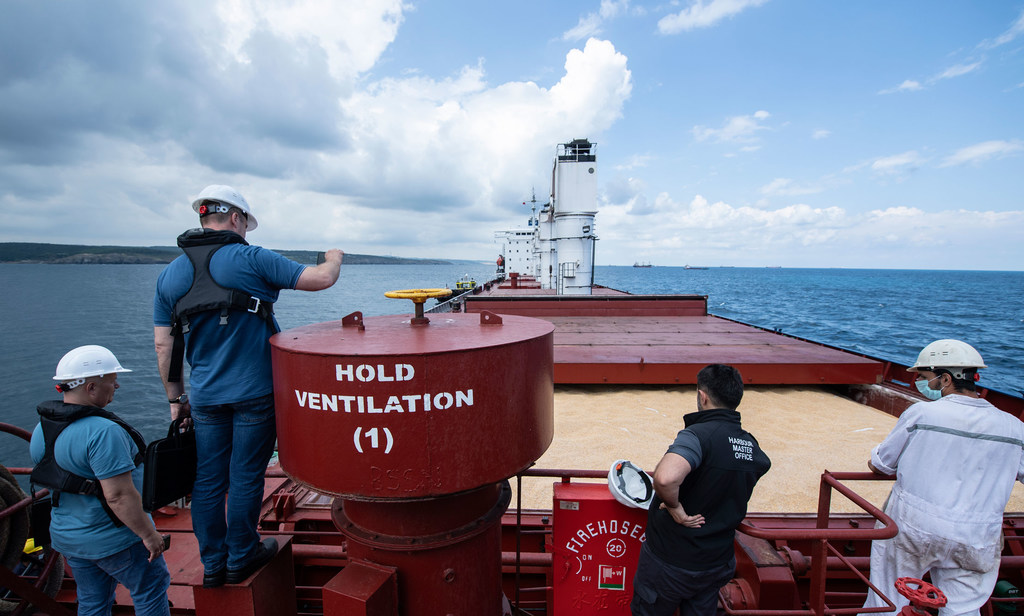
26,252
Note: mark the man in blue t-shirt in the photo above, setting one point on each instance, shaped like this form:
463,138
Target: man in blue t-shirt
232,390
97,447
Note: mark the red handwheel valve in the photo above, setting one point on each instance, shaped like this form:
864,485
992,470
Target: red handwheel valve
924,598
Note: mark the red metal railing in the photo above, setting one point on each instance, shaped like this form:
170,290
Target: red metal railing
31,591
824,557
821,538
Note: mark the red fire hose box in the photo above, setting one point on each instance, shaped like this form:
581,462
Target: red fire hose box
596,549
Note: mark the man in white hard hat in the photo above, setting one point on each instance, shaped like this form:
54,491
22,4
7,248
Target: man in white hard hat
956,458
90,460
702,485
214,307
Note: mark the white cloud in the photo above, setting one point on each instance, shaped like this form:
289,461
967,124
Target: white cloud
442,145
911,226
801,235
627,193
284,107
702,214
591,23
821,134
588,26
737,129
115,116
897,163
907,86
353,35
703,15
963,68
957,70
708,232
633,162
787,187
1012,33
980,152
900,211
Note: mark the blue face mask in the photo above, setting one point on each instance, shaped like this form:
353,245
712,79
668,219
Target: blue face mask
926,391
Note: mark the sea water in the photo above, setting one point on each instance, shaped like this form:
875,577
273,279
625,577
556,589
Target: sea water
46,310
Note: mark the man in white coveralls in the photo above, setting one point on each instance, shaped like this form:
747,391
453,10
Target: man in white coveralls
955,458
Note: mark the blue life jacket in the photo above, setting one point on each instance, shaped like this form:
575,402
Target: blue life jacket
54,417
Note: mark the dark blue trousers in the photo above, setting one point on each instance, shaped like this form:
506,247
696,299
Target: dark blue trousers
659,588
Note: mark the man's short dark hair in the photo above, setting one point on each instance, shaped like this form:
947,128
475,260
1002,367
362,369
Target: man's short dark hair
722,383
966,383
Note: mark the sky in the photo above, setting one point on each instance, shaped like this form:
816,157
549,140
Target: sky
794,133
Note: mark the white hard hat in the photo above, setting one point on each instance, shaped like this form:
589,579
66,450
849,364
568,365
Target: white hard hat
630,485
951,355
82,362
228,196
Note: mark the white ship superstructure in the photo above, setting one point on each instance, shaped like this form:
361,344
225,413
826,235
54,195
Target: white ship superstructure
557,247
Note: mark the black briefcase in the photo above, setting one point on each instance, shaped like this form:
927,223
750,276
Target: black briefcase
170,467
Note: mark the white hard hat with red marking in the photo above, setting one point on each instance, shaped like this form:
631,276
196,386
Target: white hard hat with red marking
226,197
630,485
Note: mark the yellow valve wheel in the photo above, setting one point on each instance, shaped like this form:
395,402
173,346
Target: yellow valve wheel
418,295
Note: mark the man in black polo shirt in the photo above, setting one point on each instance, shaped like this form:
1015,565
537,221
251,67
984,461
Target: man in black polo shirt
702,485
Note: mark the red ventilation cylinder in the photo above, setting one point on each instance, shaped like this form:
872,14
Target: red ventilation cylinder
416,424
446,550
384,409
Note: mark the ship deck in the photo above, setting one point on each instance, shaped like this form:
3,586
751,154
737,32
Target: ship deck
612,337
625,367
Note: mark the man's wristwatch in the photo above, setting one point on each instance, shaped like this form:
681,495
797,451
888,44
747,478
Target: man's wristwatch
182,399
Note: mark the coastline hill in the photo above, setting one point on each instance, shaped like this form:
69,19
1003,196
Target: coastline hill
26,252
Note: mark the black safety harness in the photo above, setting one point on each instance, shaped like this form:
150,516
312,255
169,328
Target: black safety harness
205,294
54,417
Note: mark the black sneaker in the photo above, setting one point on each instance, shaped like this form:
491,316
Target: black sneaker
264,552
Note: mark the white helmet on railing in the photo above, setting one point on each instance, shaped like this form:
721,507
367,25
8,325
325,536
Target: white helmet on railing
227,196
630,485
951,355
83,362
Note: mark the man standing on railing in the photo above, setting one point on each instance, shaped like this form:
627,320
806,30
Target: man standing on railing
955,459
702,485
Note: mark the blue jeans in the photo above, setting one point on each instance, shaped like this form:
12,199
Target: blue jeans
146,581
234,443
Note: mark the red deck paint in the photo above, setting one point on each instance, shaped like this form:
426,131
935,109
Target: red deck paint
667,339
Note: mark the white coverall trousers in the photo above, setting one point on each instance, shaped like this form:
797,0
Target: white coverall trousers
965,573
